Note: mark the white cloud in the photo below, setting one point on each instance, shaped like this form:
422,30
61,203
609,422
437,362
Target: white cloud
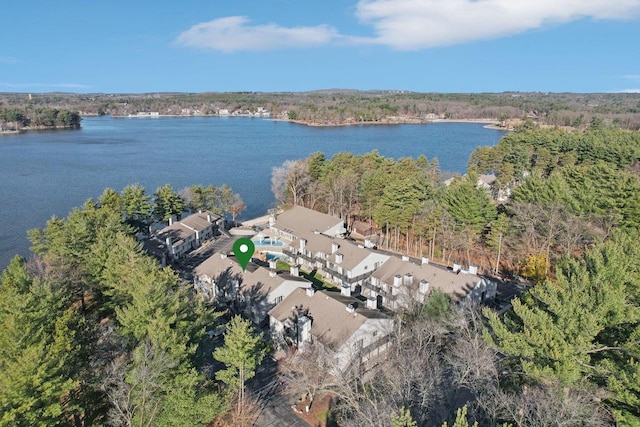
409,24
233,33
630,90
420,24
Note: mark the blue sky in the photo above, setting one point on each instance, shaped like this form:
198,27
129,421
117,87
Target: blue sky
286,45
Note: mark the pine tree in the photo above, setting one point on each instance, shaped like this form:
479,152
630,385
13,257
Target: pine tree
242,352
403,419
583,326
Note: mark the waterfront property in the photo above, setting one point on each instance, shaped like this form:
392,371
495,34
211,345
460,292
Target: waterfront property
349,332
300,221
171,243
339,260
401,284
220,278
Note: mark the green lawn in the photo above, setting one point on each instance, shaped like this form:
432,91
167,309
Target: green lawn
316,279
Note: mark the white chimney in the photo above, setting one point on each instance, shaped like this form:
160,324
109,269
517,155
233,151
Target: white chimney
456,267
408,279
405,257
310,291
169,242
273,264
424,286
303,244
304,329
294,270
171,220
372,302
223,256
473,269
273,273
425,260
397,280
339,257
334,247
209,218
345,290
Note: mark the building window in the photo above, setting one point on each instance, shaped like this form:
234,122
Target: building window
278,300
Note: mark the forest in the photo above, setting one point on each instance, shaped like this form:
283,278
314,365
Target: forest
94,332
341,106
39,118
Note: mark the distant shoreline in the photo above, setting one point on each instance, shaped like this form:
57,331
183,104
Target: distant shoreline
37,129
489,123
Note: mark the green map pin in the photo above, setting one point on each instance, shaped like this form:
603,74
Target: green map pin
243,249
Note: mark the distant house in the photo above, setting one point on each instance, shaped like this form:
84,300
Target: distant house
363,229
180,237
487,182
351,333
399,284
300,221
220,277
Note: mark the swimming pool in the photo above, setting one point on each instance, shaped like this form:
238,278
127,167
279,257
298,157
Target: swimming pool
268,242
276,256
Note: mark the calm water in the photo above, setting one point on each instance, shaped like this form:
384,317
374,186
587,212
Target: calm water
48,173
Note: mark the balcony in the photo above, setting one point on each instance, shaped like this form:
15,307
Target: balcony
378,290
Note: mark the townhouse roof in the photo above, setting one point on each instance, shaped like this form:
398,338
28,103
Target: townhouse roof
331,323
314,242
299,220
352,254
176,231
455,284
200,221
254,274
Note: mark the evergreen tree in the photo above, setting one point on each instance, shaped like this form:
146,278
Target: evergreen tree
136,205
583,326
242,353
403,419
167,203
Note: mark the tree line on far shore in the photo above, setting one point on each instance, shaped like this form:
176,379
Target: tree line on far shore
39,118
331,107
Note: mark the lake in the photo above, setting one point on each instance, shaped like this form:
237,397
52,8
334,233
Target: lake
48,173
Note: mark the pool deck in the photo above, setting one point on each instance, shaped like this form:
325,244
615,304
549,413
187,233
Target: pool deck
256,221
